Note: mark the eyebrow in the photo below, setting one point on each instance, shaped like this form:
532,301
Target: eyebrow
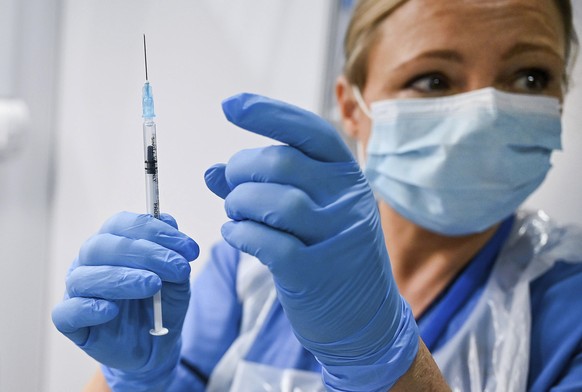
524,47
444,54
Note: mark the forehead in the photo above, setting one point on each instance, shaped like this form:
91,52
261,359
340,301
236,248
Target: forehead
450,23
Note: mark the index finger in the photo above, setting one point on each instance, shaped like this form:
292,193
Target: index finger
289,124
143,226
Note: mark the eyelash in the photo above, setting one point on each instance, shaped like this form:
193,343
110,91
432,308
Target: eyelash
431,77
536,73
541,77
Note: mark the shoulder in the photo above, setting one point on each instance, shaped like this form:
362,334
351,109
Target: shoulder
219,270
558,291
555,295
213,318
222,260
224,257
556,304
543,236
230,269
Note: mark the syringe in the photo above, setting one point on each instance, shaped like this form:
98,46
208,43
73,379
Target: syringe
151,174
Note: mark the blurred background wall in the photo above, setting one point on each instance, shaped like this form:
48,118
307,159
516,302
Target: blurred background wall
28,57
199,52
78,64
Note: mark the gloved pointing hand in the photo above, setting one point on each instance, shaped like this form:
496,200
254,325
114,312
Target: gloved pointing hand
306,211
107,310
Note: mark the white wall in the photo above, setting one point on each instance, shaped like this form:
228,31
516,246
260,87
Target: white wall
199,53
27,67
561,194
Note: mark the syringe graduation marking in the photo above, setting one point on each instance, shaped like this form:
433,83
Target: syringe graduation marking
151,162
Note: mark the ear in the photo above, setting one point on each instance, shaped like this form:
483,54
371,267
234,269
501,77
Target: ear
350,112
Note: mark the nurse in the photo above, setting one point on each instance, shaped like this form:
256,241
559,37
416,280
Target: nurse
456,107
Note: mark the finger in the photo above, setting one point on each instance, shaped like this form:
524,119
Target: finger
267,245
143,226
169,219
112,283
280,164
73,316
289,124
281,207
112,250
216,181
324,182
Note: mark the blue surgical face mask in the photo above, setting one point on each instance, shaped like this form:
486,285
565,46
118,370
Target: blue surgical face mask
460,164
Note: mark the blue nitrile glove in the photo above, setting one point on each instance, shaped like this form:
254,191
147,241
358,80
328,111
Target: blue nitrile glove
108,309
306,211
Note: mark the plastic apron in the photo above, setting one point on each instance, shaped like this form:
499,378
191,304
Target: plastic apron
256,292
491,350
489,353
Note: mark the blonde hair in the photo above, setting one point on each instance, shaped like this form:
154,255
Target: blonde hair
362,34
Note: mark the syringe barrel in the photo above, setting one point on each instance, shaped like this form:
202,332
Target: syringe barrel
151,167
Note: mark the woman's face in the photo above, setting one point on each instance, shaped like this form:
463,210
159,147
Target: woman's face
431,48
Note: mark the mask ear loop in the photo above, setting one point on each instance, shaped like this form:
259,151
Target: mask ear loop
360,155
360,101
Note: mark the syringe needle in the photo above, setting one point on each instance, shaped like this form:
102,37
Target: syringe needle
145,56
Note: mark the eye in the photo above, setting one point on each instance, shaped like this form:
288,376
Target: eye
429,83
532,81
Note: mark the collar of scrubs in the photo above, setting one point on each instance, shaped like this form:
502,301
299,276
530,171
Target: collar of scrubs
454,304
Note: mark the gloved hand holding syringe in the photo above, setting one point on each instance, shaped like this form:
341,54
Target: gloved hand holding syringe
151,175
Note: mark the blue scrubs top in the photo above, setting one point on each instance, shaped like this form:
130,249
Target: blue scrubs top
214,318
